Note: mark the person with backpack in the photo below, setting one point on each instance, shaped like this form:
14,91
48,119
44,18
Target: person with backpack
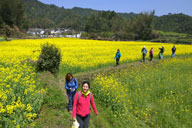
173,51
71,85
151,54
117,56
81,107
161,52
144,52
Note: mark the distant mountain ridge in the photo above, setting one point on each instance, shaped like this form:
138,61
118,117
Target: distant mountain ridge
42,15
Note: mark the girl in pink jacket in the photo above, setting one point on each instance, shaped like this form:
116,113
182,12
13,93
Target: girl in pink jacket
81,106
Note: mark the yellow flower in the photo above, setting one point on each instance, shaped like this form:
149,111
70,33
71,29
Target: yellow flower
29,108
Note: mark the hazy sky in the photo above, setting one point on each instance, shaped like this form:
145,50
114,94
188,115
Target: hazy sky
161,7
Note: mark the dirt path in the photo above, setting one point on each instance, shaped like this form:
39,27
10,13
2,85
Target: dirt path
59,82
89,76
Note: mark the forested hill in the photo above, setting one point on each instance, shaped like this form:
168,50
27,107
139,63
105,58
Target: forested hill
174,23
44,16
48,16
19,15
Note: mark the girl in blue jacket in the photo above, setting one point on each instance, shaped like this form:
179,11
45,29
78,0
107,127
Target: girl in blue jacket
71,85
117,56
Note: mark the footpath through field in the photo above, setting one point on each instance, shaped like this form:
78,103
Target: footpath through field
97,122
89,76
54,111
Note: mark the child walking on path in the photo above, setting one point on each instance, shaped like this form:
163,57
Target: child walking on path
117,56
81,106
71,85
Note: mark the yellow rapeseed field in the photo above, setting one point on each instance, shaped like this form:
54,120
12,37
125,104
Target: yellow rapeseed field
20,99
85,53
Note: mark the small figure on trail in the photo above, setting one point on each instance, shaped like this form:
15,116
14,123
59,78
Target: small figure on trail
81,106
71,85
161,52
151,54
117,56
173,51
144,52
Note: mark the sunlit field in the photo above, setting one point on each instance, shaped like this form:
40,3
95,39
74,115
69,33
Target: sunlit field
21,96
149,95
83,55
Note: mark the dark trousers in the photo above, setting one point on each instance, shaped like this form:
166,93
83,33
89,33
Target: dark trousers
70,98
151,57
144,57
83,121
117,61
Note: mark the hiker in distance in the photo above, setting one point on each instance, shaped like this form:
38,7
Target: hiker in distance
81,106
151,54
161,52
144,52
71,85
173,51
117,56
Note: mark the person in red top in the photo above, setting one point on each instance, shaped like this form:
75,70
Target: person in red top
151,54
81,107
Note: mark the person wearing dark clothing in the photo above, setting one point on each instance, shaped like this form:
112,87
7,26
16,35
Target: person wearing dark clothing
161,52
151,54
144,52
71,85
173,51
117,56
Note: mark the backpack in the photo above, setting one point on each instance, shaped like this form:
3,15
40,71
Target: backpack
163,49
144,50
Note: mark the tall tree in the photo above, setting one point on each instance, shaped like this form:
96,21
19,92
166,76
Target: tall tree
142,25
104,21
12,12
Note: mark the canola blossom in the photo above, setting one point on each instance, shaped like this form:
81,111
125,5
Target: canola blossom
20,98
158,95
20,95
82,55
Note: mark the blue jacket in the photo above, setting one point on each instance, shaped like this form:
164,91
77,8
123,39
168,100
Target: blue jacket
118,55
71,84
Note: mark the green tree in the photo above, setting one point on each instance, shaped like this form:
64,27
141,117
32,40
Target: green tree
49,58
104,21
12,12
142,26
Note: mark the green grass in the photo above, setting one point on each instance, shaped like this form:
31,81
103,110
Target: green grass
178,38
159,94
160,84
54,110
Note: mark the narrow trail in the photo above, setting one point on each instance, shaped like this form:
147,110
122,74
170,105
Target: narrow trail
89,76
59,82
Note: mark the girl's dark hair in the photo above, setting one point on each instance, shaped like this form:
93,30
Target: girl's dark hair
86,82
68,75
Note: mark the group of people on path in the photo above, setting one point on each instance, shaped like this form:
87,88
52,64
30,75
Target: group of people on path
79,102
162,49
144,53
